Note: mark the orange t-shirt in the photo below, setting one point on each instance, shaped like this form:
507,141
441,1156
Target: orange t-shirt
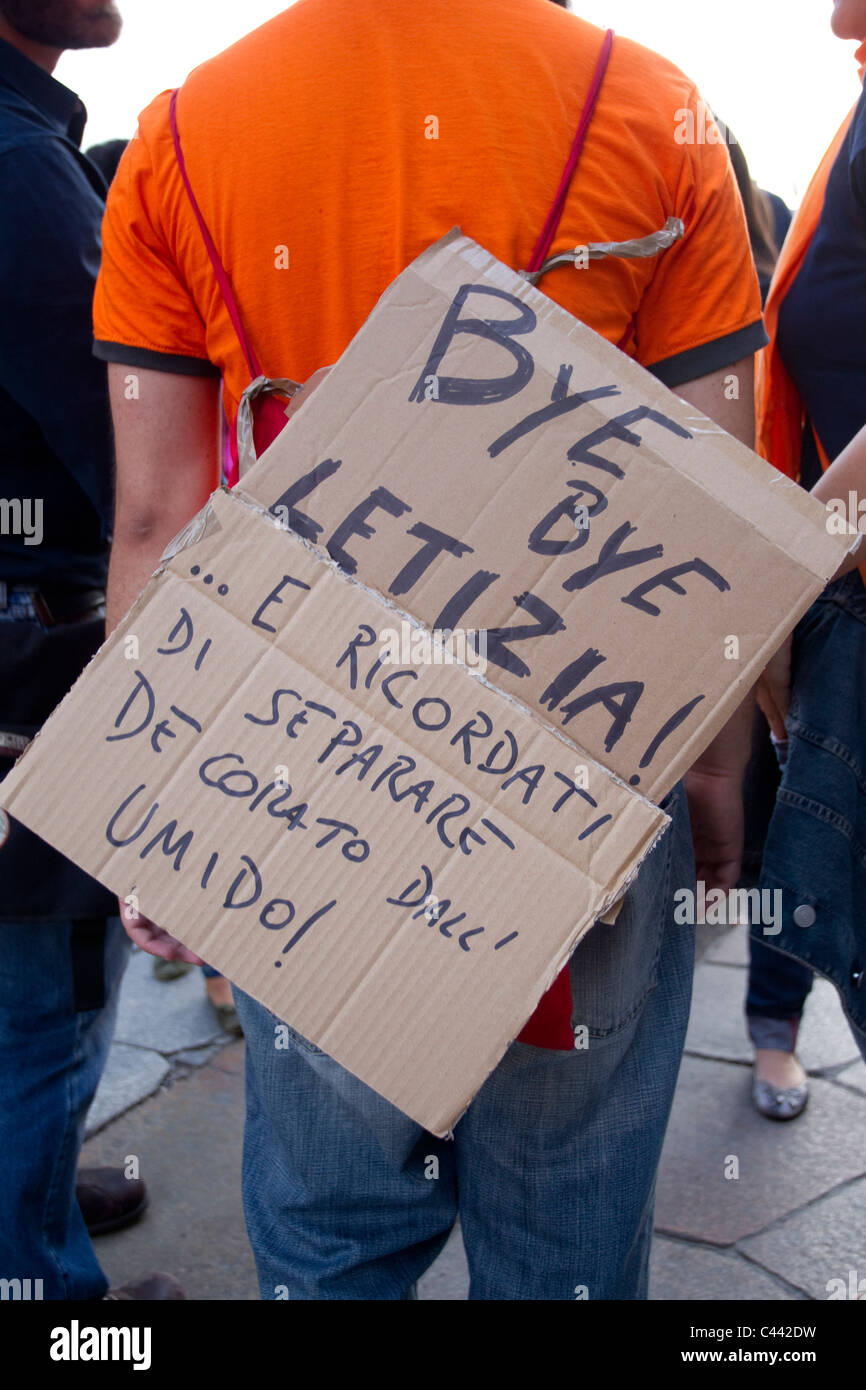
331,146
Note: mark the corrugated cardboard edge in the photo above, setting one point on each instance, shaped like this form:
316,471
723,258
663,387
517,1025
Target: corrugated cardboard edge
207,523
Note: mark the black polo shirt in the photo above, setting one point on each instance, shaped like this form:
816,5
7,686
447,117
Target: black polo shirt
55,433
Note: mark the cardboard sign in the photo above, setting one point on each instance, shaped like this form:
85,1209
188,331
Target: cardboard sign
395,858
394,852
495,466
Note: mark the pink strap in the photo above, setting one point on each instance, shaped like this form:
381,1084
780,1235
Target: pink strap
222,279
542,246
548,232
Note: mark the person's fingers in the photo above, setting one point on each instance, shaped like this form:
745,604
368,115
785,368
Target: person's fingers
774,689
771,712
156,942
722,874
780,691
306,391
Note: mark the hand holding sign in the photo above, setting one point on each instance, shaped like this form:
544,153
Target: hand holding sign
151,938
306,391
774,689
716,813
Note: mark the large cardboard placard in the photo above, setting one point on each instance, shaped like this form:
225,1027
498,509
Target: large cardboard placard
492,464
395,859
396,856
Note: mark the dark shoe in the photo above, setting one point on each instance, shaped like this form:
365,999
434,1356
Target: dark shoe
151,1288
108,1200
170,969
779,1102
227,1016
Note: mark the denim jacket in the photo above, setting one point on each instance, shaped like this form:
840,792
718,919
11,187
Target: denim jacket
815,852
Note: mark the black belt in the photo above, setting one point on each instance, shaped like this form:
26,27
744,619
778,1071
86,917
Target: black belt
54,604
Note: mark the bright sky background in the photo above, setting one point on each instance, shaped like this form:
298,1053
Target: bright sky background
771,68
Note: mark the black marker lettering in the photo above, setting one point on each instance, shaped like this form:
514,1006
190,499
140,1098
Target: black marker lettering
581,452
365,637
163,837
450,815
468,731
408,765
363,760
431,726
128,839
538,542
488,764
463,600
250,867
610,559
571,676
248,782
355,524
455,390
310,922
274,597
182,629
349,737
561,404
275,707
304,525
667,579
548,622
142,686
425,884
386,685
572,790
530,775
435,543
619,699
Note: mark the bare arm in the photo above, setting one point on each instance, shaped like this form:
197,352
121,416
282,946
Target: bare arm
714,783
167,452
847,473
167,456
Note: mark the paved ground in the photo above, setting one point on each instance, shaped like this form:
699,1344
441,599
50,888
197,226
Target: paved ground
747,1209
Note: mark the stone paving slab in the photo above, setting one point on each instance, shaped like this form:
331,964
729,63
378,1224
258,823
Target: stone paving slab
781,1166
853,1076
717,1027
827,1241
448,1276
188,1140
131,1073
188,1137
197,1056
678,1271
682,1272
730,946
167,1016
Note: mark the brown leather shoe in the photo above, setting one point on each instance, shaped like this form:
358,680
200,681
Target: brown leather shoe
108,1200
150,1287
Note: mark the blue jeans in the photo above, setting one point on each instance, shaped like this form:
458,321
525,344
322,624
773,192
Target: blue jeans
58,1000
776,997
778,985
814,856
552,1168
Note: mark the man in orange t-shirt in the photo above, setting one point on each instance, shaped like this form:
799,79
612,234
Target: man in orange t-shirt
326,150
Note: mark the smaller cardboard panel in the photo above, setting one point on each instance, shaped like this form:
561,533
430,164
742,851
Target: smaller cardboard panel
492,464
392,855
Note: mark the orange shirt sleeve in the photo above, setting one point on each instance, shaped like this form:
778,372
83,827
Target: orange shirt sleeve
142,305
702,308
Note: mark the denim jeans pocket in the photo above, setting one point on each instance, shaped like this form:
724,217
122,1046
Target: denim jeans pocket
615,967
